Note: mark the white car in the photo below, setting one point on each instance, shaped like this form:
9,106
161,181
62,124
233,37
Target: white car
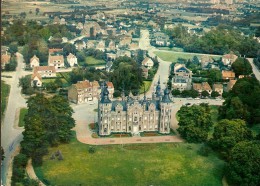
218,99
189,98
197,98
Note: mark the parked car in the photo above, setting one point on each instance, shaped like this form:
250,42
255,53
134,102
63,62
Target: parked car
187,104
218,99
197,98
189,98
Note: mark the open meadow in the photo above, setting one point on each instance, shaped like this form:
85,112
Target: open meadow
132,164
172,56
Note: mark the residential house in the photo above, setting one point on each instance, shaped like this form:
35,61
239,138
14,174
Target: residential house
111,46
101,46
91,44
72,60
90,29
123,53
205,61
111,56
145,72
226,74
63,21
80,45
56,60
218,88
148,63
55,50
134,46
161,39
85,91
5,58
228,59
45,71
125,41
200,87
34,61
79,26
182,77
230,84
36,80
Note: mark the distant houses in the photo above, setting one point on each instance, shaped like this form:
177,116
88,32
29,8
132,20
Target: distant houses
200,87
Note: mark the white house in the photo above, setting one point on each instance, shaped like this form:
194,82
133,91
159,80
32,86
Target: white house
148,62
34,61
36,80
72,60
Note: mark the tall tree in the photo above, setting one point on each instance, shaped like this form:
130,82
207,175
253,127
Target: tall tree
244,165
194,123
227,133
242,67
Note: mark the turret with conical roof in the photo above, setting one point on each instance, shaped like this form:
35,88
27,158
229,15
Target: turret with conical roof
166,97
158,89
104,95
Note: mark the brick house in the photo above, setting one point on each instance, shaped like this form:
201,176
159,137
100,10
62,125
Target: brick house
85,91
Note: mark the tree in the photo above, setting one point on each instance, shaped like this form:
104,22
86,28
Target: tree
13,48
214,94
227,133
69,48
25,83
37,10
241,67
2,153
194,123
204,93
176,92
244,165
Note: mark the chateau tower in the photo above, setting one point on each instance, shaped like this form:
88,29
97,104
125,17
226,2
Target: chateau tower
104,109
166,110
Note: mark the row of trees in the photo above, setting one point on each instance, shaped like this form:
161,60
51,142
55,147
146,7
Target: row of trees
194,93
218,40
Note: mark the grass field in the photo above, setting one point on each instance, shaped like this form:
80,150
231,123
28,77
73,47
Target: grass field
173,56
23,111
5,90
92,61
145,87
174,49
133,164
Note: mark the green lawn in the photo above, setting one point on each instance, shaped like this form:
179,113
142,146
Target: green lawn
173,56
5,90
174,49
146,86
23,111
92,61
132,164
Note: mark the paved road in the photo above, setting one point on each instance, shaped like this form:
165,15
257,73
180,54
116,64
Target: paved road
10,136
255,69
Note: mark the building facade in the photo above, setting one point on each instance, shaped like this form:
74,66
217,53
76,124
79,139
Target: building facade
182,77
133,115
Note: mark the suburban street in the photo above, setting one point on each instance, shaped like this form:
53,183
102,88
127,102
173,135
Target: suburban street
254,68
11,134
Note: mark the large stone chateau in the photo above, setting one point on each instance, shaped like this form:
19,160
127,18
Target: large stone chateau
133,115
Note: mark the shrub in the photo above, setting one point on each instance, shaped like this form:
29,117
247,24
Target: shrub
91,150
